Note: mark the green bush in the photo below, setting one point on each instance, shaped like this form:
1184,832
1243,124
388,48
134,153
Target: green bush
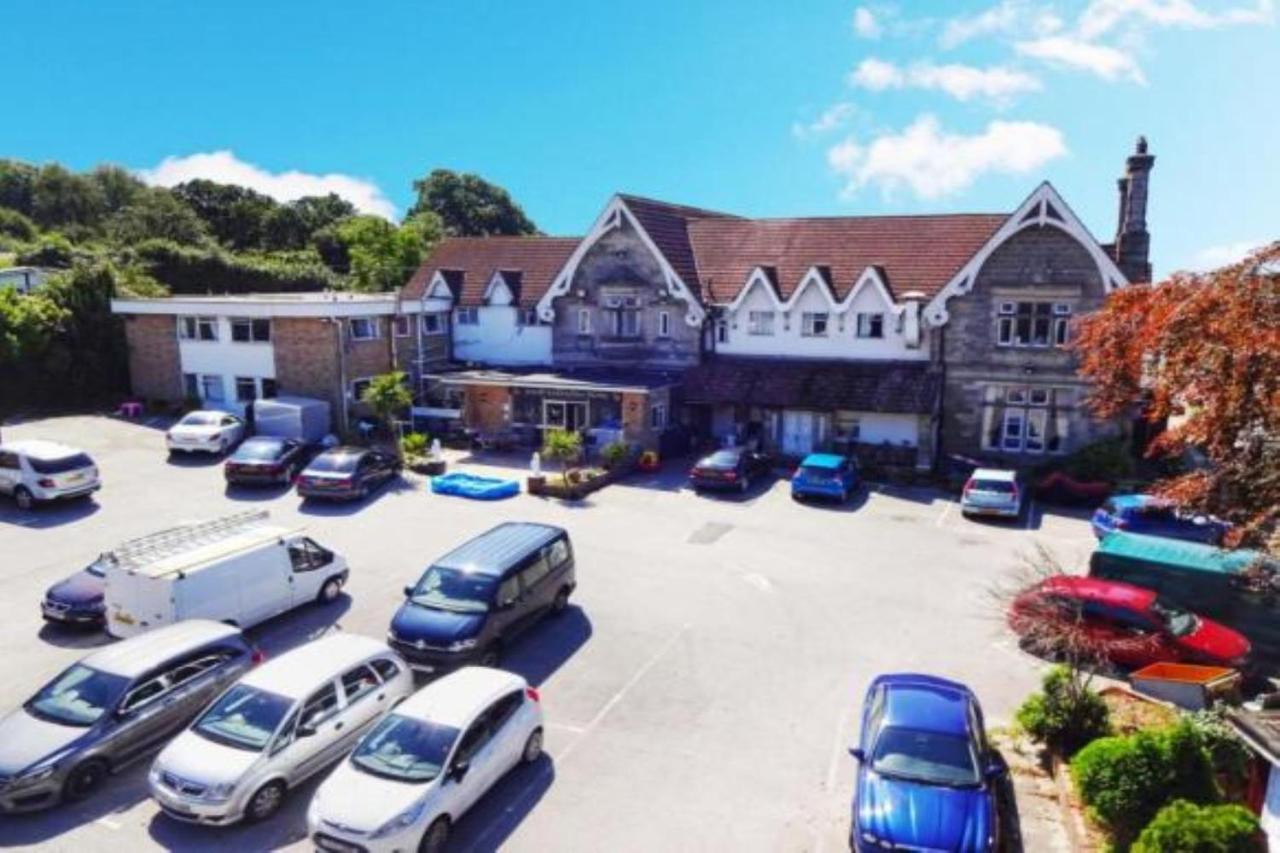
1065,715
194,269
1107,461
614,453
1126,780
1185,826
14,224
1228,754
414,444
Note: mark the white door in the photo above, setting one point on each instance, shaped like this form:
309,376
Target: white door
797,433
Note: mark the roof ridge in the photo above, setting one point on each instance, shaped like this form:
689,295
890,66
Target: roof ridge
688,210
866,217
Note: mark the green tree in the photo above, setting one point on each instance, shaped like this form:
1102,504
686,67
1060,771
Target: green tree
17,185
235,215
155,213
90,354
470,206
388,395
14,224
562,445
28,324
60,197
1066,714
52,250
383,257
118,186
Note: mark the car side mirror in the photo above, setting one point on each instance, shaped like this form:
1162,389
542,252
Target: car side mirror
306,731
459,770
994,771
408,592
858,753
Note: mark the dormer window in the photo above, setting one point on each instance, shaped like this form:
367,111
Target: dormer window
870,324
814,324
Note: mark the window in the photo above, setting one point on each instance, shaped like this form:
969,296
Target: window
198,328
433,324
322,705
245,330
870,325
1014,422
1038,396
760,322
190,670
664,324
475,738
536,570
584,321
246,389
626,323
1032,324
403,325
467,316
211,388
1061,324
504,709
509,591
658,416
558,553
287,731
1037,421
145,693
191,385
813,324
1015,396
268,389
526,316
363,328
386,668
306,555
359,682
722,332
358,387
1019,419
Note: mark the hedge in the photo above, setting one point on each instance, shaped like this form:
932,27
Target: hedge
1188,828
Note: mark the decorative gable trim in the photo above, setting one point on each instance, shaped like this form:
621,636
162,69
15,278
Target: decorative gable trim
757,278
871,278
498,280
813,277
438,288
615,214
1044,207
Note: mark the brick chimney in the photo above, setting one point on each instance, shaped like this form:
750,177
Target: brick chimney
1133,242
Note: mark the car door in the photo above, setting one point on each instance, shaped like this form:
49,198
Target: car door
321,727
196,679
10,472
509,613
475,754
307,564
508,738
537,587
144,717
366,700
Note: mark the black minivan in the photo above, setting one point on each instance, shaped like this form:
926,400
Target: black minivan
473,601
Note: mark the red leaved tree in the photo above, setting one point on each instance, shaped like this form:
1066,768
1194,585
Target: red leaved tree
1202,350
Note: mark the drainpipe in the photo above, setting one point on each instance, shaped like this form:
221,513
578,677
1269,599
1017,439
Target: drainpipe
391,333
343,418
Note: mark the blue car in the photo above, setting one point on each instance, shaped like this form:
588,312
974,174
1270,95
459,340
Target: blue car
77,600
926,776
1155,516
825,475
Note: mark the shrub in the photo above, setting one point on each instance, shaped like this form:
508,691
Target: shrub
1108,461
1066,714
415,444
14,224
1227,752
1209,829
562,445
614,453
1125,781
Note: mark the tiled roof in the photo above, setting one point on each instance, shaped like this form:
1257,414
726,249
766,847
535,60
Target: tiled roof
468,263
906,387
668,226
914,252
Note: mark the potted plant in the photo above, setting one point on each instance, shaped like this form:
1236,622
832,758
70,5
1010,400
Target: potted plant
414,449
614,454
562,445
649,461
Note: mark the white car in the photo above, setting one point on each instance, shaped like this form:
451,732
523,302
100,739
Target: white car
205,431
993,491
411,778
33,471
285,721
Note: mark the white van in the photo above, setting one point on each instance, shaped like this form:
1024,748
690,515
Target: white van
235,569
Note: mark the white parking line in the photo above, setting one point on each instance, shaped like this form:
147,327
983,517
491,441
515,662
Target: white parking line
617,697
946,510
107,822
567,727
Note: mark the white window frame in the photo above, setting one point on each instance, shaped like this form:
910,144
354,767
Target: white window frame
658,416
1014,443
467,316
722,331
1037,421
191,385
254,324
358,385
584,321
433,317
193,328
760,323
870,325
526,316
621,327
1039,397
369,323
814,324
1015,396
402,325
664,324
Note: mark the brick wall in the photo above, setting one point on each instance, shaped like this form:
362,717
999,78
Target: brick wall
486,408
155,370
306,353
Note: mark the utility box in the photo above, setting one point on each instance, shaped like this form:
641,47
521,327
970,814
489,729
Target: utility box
301,418
1186,685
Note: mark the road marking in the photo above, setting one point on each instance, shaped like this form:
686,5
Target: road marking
622,692
107,822
946,510
567,727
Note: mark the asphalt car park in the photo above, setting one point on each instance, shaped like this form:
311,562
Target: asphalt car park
700,693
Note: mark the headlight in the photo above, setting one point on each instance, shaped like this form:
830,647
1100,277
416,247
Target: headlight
220,791
463,645
33,777
405,819
872,839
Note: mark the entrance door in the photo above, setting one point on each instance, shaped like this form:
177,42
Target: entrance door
797,433
570,416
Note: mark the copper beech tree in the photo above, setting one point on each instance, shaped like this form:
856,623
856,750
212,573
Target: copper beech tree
1202,352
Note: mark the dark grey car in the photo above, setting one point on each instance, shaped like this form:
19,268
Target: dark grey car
112,707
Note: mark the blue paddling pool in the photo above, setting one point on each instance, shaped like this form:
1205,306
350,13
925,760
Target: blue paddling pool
474,486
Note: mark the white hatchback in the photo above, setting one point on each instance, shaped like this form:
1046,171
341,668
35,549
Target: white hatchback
285,721
33,471
411,778
205,431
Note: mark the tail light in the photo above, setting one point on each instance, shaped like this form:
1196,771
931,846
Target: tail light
731,475
46,483
258,656
1014,494
1121,524
533,694
968,487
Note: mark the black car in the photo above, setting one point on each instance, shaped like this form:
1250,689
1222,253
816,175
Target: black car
732,468
266,460
347,473
77,600
473,601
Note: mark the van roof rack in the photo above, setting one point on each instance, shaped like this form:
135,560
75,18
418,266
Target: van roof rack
144,550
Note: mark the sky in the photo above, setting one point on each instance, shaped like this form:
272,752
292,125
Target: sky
756,107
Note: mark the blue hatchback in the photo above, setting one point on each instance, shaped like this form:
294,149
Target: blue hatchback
926,776
825,475
1154,516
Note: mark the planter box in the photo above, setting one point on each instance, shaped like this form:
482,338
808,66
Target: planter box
574,491
430,467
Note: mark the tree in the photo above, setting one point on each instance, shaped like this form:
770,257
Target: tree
470,206
155,213
14,224
563,445
235,215
386,395
1183,825
383,257
1201,350
118,186
17,185
60,197
52,250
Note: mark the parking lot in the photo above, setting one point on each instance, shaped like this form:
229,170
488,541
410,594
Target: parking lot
700,694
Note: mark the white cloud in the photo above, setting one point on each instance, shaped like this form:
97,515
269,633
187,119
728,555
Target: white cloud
831,118
1106,62
865,23
1001,18
932,163
1213,257
1102,16
224,167
962,82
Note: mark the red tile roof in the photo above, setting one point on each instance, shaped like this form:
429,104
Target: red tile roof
469,262
668,227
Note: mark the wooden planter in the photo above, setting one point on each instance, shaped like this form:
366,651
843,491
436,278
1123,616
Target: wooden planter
574,491
429,467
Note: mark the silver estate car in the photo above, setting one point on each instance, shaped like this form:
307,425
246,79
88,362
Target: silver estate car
114,706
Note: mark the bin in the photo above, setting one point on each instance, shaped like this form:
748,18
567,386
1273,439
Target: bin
1186,685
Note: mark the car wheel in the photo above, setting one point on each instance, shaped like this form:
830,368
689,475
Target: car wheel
437,835
561,602
532,747
22,497
490,656
329,592
265,802
83,780
745,485
364,491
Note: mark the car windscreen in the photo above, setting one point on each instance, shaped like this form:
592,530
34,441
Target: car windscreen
98,568
245,717
63,464
923,756
339,463
816,474
720,459
1179,622
404,749
78,697
451,589
998,487
259,450
201,419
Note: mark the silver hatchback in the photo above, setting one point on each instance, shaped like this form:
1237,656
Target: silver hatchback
993,491
112,707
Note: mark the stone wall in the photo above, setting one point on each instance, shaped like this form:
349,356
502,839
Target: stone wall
155,369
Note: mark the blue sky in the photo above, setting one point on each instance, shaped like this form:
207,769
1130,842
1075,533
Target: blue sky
753,106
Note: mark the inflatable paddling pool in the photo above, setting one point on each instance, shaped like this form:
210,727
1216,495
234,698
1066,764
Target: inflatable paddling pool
474,486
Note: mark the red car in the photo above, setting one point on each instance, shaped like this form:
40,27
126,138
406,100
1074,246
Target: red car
1129,625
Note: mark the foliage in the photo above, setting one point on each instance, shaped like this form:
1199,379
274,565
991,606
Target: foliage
383,257
1126,780
17,185
469,206
414,445
1202,349
14,224
1066,714
388,394
155,214
60,197
1106,461
563,445
615,453
52,250
233,214
1185,826
191,269
1228,754
27,325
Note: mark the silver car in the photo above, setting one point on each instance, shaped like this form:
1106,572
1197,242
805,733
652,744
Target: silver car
113,707
993,491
